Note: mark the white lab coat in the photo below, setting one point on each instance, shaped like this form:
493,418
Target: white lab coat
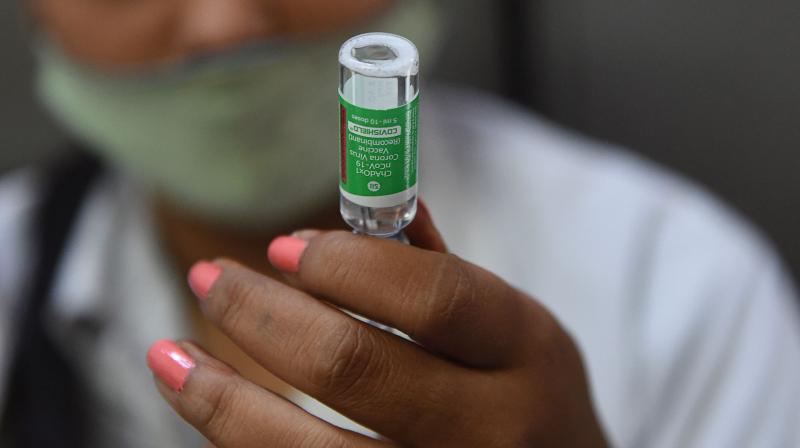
686,319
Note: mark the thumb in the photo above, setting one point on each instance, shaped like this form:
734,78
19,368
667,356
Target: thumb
423,233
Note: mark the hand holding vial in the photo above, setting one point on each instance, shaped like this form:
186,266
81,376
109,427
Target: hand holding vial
493,368
488,365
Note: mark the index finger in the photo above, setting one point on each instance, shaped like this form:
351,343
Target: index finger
441,301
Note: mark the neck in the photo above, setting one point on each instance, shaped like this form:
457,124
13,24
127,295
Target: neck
188,239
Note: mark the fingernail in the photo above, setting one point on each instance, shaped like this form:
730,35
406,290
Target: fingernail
169,363
202,277
284,253
306,234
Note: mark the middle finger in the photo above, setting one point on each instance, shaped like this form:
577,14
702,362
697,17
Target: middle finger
448,305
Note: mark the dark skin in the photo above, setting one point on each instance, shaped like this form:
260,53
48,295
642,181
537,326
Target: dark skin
187,239
489,366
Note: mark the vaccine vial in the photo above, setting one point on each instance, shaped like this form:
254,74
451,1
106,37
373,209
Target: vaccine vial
379,113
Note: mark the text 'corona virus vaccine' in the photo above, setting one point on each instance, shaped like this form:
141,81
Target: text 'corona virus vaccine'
379,113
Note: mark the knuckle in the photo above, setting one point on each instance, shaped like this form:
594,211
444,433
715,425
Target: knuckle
314,439
451,297
337,246
448,402
345,361
220,418
240,294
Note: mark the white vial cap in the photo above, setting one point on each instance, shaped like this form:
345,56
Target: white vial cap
380,55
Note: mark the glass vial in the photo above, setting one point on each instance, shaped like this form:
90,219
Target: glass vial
379,98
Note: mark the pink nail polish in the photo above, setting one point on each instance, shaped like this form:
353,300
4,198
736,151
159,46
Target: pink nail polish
202,277
284,253
169,363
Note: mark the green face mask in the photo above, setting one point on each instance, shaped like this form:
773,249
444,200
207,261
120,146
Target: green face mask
247,138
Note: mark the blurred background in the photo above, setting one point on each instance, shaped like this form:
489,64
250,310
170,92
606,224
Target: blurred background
708,88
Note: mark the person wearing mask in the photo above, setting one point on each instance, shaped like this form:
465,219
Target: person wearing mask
584,297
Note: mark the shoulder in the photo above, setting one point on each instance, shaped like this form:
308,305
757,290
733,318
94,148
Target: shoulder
534,178
660,282
514,164
607,218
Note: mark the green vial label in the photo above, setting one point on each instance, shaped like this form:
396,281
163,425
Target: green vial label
379,154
